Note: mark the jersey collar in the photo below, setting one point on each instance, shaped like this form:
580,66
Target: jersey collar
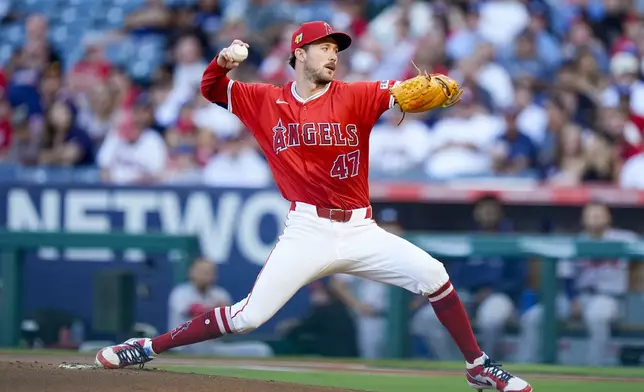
312,97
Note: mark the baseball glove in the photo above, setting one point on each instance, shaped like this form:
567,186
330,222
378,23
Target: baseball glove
424,92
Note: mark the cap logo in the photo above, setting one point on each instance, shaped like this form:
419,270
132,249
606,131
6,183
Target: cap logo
328,28
298,38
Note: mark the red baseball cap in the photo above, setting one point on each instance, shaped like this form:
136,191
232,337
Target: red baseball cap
313,31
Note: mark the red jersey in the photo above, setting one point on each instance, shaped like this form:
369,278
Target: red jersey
6,131
317,148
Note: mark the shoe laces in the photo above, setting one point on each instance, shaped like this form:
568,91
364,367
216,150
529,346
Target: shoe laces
495,370
132,354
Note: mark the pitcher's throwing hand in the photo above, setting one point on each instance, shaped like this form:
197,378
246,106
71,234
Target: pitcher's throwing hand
226,57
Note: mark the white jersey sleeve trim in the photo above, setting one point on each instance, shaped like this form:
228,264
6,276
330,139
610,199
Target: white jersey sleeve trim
392,101
230,90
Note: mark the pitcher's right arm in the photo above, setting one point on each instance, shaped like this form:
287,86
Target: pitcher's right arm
239,98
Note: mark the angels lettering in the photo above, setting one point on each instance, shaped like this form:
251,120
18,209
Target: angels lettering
313,134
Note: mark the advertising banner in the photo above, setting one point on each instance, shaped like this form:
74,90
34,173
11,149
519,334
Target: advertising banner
237,229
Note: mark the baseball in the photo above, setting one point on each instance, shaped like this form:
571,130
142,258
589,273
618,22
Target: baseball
239,52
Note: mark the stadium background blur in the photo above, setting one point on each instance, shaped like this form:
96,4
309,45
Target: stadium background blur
100,106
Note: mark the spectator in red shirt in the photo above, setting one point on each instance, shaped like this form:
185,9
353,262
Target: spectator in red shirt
3,82
631,26
92,69
6,130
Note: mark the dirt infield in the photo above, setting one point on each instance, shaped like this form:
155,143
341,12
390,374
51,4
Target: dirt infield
37,376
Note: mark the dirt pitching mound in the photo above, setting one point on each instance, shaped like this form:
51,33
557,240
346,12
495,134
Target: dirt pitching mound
36,377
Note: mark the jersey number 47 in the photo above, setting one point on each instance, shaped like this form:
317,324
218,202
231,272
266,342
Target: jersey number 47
346,165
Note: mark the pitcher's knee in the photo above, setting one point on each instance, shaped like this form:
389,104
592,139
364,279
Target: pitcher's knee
247,316
435,277
245,321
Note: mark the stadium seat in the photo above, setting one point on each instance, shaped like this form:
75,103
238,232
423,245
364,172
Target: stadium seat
140,70
128,5
6,51
13,33
117,53
114,17
173,3
45,7
80,2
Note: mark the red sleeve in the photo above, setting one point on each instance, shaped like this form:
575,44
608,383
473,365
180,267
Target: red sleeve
241,99
372,99
214,83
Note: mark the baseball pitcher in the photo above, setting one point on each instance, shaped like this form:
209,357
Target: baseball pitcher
314,132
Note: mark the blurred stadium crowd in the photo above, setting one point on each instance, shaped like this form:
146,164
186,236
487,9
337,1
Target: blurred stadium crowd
553,87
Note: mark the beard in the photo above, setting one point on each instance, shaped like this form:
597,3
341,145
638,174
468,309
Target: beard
319,76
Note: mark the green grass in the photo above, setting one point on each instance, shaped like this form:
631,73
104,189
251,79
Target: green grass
396,383
521,368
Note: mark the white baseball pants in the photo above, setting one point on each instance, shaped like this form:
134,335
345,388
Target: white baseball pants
312,247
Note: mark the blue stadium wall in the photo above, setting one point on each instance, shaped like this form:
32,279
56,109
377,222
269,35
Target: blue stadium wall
237,228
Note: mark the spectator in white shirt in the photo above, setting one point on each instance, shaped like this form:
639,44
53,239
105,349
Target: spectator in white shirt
461,143
493,77
632,175
397,57
532,118
199,295
501,21
186,78
398,148
214,118
133,153
189,68
419,14
625,70
464,36
237,165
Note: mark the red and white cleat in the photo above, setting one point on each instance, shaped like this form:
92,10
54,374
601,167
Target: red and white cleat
130,353
487,374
